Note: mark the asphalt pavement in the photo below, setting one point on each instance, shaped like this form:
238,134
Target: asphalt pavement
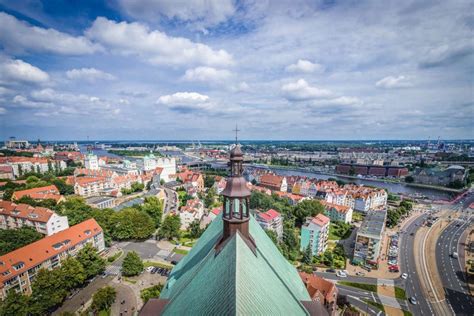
450,269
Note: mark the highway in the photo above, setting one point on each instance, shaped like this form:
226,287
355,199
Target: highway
450,269
412,285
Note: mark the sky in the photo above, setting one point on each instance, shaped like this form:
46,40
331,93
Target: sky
193,69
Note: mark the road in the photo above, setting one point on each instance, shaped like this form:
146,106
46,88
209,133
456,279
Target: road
171,201
450,269
412,285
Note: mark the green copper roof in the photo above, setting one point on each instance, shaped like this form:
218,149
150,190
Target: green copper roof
235,281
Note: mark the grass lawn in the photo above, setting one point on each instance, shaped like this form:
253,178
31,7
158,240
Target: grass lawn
357,216
406,313
400,293
339,230
180,251
114,257
375,304
362,286
147,264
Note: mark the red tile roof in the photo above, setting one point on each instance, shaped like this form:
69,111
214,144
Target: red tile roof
34,214
269,215
271,180
41,250
340,208
42,193
319,287
321,220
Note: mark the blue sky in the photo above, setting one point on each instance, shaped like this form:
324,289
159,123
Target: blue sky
175,69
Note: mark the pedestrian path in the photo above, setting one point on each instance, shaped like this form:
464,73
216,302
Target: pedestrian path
113,270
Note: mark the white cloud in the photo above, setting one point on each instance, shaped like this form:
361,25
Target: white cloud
343,100
19,36
18,70
88,74
154,46
206,74
301,90
22,101
201,13
304,66
391,82
186,101
3,110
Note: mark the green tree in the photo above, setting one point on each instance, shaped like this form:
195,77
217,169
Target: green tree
91,261
132,264
73,273
103,299
15,304
307,208
273,236
308,255
48,290
194,229
409,179
151,292
209,180
12,239
130,223
210,197
170,227
153,207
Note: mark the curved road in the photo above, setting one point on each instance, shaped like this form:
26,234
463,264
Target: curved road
412,285
451,273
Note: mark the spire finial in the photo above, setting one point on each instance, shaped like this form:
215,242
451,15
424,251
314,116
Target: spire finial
236,130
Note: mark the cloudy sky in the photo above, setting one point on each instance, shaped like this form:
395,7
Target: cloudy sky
192,69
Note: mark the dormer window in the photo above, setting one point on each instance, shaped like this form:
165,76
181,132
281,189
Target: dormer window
18,266
33,215
5,273
57,246
87,232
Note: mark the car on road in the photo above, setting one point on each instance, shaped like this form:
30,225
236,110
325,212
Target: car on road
404,276
341,274
330,270
454,255
150,268
413,300
360,273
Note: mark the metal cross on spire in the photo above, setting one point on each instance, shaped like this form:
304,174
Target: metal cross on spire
236,130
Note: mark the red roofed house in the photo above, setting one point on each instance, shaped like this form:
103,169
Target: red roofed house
321,290
337,212
195,178
271,220
19,267
314,234
193,210
274,182
6,172
42,193
44,220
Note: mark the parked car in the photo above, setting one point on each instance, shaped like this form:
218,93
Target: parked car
367,268
404,276
331,270
341,274
454,255
360,273
150,268
413,300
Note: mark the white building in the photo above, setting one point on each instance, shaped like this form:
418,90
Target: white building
271,220
43,220
338,212
91,162
169,167
194,210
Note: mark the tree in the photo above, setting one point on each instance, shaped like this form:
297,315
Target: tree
308,255
409,179
195,230
15,304
48,290
170,227
132,264
162,181
73,273
210,197
103,299
209,180
273,236
151,292
153,207
307,208
91,261
12,239
130,223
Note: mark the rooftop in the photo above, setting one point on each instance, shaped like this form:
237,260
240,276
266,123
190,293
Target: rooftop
373,223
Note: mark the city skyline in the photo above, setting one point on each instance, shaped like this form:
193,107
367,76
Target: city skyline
142,70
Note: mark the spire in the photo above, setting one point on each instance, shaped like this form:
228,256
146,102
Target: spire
236,213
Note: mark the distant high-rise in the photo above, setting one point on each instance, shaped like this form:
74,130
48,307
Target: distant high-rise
234,268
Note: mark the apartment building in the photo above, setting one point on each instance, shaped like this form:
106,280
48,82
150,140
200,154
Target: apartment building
193,210
271,220
43,220
19,267
315,233
338,212
369,238
41,193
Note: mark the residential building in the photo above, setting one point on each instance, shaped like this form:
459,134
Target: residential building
101,202
149,162
41,193
16,144
19,267
85,186
273,182
192,211
321,290
369,238
438,176
315,233
271,220
169,167
22,165
91,162
43,220
6,172
234,267
195,178
338,212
